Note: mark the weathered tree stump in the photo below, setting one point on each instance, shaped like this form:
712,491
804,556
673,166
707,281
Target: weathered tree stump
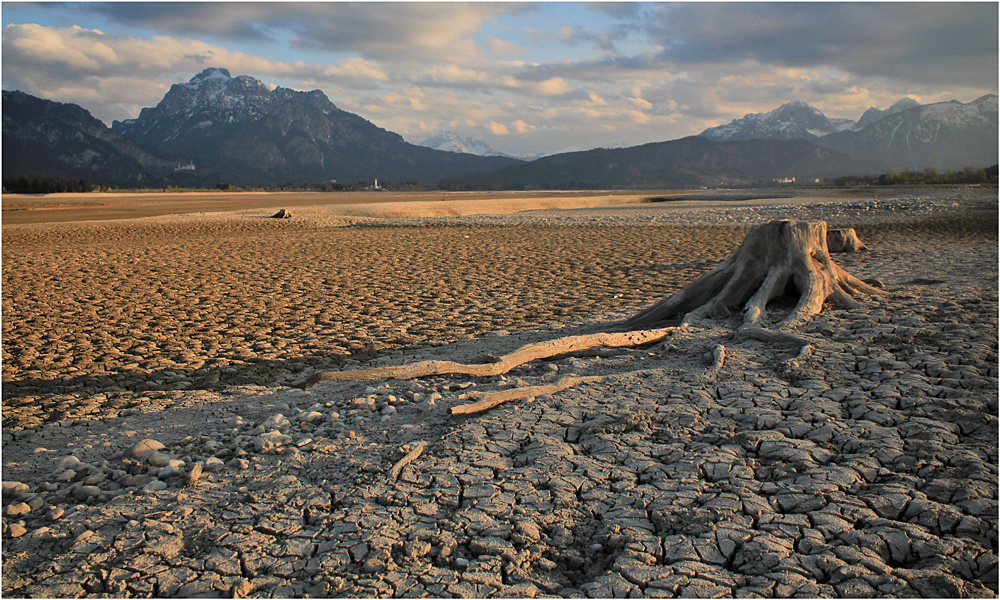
844,240
776,258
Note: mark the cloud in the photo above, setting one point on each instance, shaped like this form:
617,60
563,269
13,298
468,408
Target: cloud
503,48
407,31
498,128
522,127
926,43
116,75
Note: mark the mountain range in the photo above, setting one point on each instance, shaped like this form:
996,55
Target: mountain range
251,134
449,141
945,135
219,128
688,162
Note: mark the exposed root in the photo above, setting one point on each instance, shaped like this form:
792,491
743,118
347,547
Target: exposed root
491,399
412,455
525,354
767,335
775,258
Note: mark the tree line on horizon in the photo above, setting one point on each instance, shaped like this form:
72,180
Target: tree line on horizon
20,184
929,176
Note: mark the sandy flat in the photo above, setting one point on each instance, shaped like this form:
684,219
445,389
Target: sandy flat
55,208
866,467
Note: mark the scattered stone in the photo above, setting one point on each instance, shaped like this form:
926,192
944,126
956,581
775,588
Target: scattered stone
154,486
143,449
86,492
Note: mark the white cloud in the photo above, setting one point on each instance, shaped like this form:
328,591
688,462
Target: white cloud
503,48
498,128
522,127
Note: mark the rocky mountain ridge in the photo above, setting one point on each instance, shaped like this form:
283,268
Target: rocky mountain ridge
943,135
449,141
792,121
253,134
53,139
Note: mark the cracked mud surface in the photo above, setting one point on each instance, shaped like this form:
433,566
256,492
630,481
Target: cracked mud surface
867,469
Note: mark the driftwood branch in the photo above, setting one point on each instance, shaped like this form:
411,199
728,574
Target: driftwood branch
410,457
507,362
491,399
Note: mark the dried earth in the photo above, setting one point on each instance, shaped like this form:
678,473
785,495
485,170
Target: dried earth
866,469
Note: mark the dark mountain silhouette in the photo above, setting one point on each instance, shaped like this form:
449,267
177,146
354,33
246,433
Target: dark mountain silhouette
252,134
46,138
687,162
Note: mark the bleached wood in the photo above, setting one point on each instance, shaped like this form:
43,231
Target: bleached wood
412,455
525,354
773,258
844,240
492,399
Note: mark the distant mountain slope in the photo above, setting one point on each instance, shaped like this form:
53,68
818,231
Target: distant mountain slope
946,135
874,114
691,161
449,141
792,121
253,134
46,138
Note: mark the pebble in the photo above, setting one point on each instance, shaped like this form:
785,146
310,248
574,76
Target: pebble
85,492
69,462
16,530
169,471
154,486
312,416
158,459
11,488
144,448
213,464
269,440
16,510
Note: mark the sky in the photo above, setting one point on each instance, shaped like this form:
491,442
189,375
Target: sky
527,78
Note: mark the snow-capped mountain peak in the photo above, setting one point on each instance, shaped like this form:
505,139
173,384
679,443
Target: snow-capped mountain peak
874,114
211,98
450,141
794,120
211,73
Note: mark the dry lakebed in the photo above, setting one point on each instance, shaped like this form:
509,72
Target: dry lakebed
155,444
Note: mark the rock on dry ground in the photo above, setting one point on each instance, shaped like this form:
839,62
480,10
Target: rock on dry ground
866,469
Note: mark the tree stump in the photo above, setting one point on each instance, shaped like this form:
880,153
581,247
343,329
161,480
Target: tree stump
844,240
775,259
